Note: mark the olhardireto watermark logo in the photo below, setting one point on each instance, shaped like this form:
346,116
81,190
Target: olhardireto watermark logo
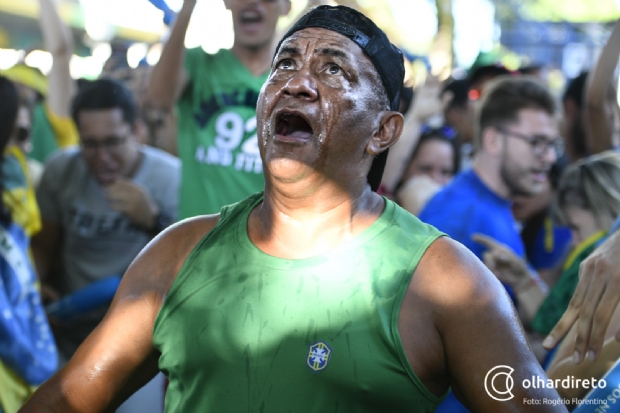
499,384
498,374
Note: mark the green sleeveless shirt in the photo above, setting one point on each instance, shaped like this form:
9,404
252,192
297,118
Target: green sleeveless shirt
242,331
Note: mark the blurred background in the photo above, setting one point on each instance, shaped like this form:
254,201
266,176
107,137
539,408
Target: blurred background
447,37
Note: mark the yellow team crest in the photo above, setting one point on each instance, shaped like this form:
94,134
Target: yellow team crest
319,354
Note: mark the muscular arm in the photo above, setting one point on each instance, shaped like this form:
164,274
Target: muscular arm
59,43
457,323
598,108
118,357
169,77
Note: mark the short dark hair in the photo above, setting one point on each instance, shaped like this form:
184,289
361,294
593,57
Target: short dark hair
487,72
506,96
460,93
104,94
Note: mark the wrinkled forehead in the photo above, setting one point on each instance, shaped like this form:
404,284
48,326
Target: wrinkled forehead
317,40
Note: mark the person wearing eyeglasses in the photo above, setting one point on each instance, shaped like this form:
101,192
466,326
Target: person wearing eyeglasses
100,203
516,143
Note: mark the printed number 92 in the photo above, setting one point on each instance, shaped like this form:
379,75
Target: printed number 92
230,129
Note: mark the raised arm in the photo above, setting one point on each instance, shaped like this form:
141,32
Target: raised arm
599,106
59,42
425,103
169,77
118,357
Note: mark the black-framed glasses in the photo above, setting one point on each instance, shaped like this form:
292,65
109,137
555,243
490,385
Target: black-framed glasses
539,144
111,144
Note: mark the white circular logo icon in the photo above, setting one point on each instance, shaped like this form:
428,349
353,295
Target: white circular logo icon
500,373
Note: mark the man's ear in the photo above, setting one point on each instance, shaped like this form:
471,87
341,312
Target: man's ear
388,132
492,141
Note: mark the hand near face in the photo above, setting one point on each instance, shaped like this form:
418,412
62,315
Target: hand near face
134,201
503,262
426,100
595,299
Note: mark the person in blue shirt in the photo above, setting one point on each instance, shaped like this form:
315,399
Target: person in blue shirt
516,143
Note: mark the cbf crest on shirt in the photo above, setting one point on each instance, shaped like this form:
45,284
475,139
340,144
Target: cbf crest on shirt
319,354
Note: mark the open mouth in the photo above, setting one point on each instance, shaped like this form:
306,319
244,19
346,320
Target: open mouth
293,126
251,17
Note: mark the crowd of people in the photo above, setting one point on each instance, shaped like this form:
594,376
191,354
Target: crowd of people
295,230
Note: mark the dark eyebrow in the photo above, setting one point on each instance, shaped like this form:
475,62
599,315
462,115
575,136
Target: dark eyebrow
288,50
332,52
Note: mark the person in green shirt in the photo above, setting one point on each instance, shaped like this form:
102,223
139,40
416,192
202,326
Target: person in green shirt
215,97
317,294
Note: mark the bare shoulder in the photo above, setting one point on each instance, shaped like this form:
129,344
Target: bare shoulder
457,323
158,264
118,357
462,294
451,275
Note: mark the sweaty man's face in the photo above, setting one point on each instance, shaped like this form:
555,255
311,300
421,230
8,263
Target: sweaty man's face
254,21
522,171
318,108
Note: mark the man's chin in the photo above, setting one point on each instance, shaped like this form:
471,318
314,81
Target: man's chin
528,191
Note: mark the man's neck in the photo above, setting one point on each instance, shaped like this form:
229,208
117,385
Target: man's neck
296,224
488,170
256,59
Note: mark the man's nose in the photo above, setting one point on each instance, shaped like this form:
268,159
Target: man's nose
102,154
439,177
302,85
